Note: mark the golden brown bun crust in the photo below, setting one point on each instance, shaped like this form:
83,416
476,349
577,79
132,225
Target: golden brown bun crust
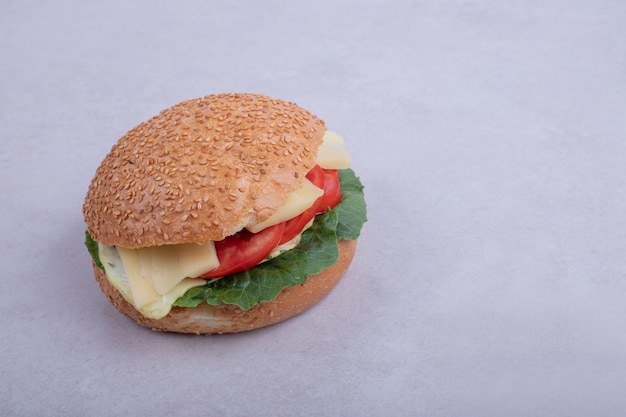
207,319
201,170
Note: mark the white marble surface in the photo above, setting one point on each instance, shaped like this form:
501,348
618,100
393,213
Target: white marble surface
490,279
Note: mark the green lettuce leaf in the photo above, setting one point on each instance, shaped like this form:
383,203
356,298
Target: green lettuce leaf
92,247
352,210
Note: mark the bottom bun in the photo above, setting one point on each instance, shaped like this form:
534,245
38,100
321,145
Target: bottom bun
227,318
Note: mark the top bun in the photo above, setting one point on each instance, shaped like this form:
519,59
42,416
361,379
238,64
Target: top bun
201,170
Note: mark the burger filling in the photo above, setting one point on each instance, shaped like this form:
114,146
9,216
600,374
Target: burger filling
155,278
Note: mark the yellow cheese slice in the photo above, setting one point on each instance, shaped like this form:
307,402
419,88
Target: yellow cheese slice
160,307
142,289
295,203
332,153
149,302
165,266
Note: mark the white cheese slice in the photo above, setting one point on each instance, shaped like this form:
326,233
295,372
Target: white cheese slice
163,267
295,203
332,153
155,306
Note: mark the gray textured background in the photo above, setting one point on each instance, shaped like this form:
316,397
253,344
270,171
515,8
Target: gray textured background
490,279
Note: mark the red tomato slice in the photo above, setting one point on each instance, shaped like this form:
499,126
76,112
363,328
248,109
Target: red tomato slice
316,176
332,189
294,226
244,250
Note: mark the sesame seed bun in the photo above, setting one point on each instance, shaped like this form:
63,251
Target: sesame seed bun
201,170
225,318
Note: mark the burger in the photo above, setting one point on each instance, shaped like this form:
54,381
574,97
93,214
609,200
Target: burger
223,214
